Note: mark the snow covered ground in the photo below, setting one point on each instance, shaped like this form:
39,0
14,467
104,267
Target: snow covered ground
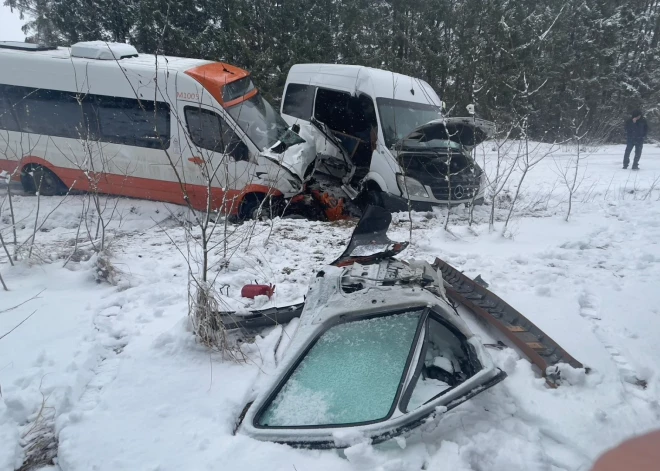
112,370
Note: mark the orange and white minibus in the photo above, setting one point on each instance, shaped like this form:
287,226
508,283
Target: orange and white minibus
100,116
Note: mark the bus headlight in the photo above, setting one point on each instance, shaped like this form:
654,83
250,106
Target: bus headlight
411,187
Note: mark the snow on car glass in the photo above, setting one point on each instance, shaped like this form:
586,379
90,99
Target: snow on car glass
351,375
369,249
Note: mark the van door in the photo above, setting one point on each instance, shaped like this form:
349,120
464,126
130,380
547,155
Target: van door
352,120
214,152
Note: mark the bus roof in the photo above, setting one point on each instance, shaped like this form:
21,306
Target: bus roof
143,61
58,62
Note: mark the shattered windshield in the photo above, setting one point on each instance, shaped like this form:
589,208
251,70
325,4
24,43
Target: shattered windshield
351,375
263,125
399,118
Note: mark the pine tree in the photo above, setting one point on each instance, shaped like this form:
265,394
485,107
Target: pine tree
600,54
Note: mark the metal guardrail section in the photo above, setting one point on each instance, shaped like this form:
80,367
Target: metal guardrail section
541,350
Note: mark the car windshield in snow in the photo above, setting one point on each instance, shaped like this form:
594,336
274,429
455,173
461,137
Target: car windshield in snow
259,120
351,375
399,118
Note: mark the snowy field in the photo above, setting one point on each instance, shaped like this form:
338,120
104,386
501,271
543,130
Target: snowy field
107,363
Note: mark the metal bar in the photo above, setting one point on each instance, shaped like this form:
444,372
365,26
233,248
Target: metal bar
535,344
260,319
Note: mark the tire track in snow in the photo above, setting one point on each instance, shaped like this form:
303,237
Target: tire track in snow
633,384
109,340
113,343
40,435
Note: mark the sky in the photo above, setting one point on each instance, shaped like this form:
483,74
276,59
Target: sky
10,25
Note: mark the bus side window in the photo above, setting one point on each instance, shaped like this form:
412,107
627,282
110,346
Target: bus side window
7,119
87,117
332,109
51,112
132,122
209,131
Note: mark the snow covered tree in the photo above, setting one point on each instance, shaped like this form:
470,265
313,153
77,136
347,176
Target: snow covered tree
599,51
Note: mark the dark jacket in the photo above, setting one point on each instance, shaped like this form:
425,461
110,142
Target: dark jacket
636,131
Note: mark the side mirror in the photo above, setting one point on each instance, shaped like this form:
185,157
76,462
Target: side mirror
470,109
296,128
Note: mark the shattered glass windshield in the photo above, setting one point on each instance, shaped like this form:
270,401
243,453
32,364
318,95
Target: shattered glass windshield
263,125
399,118
351,375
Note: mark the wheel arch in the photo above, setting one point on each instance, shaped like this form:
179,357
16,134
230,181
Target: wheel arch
252,193
32,164
374,181
30,161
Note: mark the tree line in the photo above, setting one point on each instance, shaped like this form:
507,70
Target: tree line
557,65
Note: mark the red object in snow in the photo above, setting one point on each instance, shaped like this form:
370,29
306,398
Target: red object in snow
251,291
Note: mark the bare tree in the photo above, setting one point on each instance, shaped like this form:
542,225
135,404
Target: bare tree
15,150
530,154
504,167
207,226
570,172
2,281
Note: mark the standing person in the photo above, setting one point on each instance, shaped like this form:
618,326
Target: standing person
636,129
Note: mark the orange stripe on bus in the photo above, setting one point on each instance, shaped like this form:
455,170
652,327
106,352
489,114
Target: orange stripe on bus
228,201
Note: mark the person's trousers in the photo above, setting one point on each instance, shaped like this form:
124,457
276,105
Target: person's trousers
637,144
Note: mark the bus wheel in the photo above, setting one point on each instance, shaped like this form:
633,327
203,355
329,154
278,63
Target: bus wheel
37,178
255,206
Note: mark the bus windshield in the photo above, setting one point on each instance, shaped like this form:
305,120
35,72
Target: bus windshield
262,124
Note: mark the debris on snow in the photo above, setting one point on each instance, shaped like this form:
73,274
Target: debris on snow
184,396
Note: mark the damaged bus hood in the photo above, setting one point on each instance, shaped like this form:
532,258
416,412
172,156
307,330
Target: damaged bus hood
378,351
295,153
467,131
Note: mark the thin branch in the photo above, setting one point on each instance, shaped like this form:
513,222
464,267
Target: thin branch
18,325
36,296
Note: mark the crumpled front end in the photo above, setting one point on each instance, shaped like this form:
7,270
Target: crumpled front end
436,162
295,152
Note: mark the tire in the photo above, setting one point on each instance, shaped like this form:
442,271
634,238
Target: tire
252,208
37,178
